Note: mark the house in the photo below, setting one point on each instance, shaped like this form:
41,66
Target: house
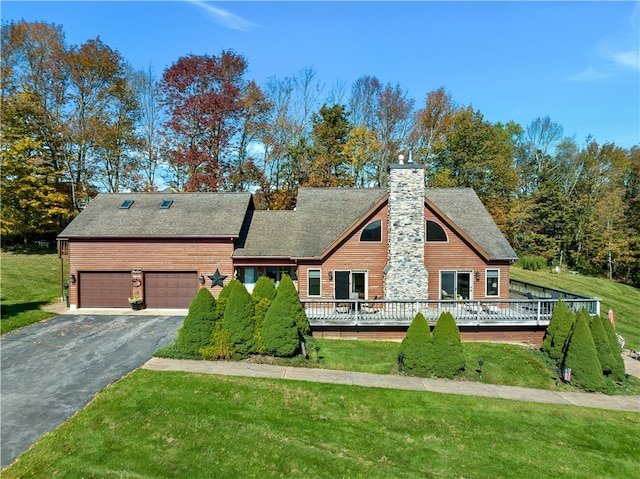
406,242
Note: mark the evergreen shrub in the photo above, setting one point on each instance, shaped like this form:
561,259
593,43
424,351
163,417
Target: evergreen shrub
221,346
285,322
264,288
199,323
417,348
558,332
260,307
238,320
618,369
448,355
582,358
601,341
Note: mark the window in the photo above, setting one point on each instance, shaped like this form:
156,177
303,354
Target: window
314,282
493,276
126,204
166,204
435,232
372,232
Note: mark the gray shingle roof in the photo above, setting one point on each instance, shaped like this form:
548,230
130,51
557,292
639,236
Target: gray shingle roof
463,207
320,217
190,214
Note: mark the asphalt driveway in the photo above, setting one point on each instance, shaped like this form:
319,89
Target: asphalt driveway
52,369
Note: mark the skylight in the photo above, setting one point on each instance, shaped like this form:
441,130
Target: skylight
126,204
166,204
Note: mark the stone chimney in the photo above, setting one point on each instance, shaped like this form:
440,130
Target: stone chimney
405,273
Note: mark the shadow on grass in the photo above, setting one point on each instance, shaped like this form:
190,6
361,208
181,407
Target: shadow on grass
11,310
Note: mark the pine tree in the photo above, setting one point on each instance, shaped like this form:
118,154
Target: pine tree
238,320
558,332
223,296
582,358
417,347
447,348
199,323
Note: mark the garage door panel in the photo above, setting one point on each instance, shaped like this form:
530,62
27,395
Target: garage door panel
170,290
104,289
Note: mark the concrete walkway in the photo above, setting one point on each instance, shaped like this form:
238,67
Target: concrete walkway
228,368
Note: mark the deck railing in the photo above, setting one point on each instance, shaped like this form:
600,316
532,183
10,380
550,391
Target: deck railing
503,312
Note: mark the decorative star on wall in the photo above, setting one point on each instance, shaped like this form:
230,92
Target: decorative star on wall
217,279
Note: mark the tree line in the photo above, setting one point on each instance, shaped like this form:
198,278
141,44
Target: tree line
78,119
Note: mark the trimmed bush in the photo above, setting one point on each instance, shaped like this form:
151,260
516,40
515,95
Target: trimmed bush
448,355
260,307
285,322
199,323
618,370
582,358
416,347
223,296
238,320
601,340
558,332
264,288
221,346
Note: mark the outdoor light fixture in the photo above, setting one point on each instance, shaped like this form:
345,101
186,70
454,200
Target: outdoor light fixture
626,381
480,364
201,279
330,275
400,361
477,275
72,278
317,354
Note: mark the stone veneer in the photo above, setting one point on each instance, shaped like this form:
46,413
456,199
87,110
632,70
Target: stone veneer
405,274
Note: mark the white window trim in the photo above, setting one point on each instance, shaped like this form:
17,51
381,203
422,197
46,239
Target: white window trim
486,277
308,285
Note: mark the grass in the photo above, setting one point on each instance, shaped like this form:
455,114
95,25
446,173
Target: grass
28,282
166,424
623,299
503,364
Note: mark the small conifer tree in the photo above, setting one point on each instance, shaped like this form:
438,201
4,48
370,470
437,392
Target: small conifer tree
223,296
199,323
447,348
618,370
260,307
285,322
558,333
238,320
264,288
416,347
601,340
221,346
582,358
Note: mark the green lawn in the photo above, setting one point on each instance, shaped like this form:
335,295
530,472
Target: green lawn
27,282
177,425
623,299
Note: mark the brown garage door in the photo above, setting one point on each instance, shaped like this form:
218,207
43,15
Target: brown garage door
170,290
104,289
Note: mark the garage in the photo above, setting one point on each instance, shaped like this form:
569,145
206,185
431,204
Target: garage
104,289
170,290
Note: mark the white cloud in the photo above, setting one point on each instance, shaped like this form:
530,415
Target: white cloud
629,59
225,18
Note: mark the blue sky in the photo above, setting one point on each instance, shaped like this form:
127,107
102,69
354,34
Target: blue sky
576,62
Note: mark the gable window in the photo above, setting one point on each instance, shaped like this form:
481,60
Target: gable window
372,232
314,282
435,232
493,276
